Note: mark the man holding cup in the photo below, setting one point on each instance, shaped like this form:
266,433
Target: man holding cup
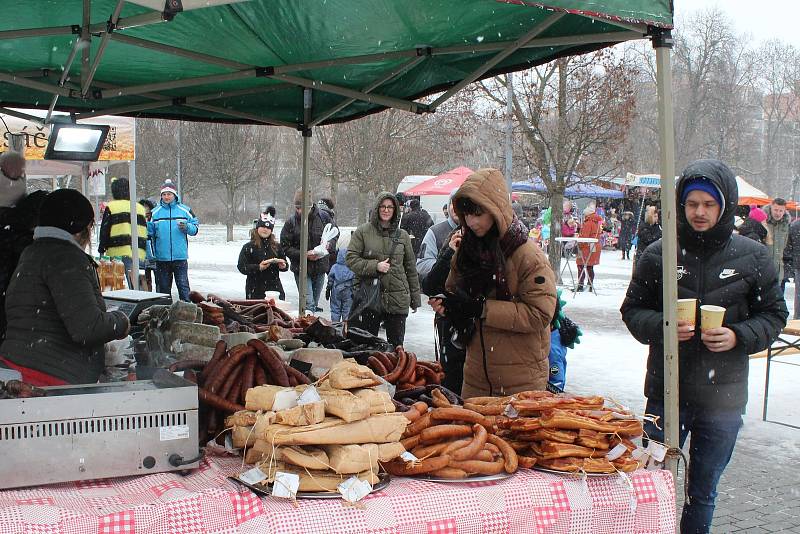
730,277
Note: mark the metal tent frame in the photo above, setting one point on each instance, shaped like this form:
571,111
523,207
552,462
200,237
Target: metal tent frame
177,98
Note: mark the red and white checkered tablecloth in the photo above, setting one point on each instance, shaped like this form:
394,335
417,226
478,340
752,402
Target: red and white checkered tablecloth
206,502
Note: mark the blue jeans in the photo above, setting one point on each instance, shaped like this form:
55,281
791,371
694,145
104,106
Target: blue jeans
314,285
341,302
164,273
710,449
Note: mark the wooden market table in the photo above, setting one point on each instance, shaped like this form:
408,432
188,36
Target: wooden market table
206,501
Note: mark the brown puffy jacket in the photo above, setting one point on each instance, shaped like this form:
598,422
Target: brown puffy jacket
515,333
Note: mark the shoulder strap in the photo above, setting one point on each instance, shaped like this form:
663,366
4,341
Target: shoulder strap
395,242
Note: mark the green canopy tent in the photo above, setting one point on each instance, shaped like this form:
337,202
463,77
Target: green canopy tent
303,64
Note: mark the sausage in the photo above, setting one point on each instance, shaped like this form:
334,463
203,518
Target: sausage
248,375
282,314
403,386
455,445
439,432
410,366
272,362
488,400
475,446
410,442
375,364
260,376
411,414
449,472
424,451
386,362
419,425
401,468
408,402
231,389
454,398
458,414
426,399
235,356
395,373
187,364
217,402
427,374
477,467
436,367
392,357
419,380
219,353
298,376
511,459
421,407
411,393
485,409
196,297
484,456
190,375
439,400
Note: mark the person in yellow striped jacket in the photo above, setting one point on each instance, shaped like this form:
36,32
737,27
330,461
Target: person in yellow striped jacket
115,227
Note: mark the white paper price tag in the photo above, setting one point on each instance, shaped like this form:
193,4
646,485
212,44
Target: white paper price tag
511,412
285,485
309,395
616,452
638,452
284,399
353,489
253,476
408,457
657,451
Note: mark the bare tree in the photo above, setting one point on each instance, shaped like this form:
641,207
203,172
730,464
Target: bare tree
233,157
573,113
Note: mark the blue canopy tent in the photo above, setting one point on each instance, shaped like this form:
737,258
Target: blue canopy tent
573,191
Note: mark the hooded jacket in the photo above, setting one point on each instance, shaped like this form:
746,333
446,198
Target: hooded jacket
170,242
57,318
715,267
592,227
258,282
416,223
777,236
371,244
509,351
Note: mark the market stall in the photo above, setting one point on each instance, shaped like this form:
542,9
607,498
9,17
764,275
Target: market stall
206,500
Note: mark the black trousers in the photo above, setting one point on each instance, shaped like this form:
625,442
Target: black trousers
451,357
394,323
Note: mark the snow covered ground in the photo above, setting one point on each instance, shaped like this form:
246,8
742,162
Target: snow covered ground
608,361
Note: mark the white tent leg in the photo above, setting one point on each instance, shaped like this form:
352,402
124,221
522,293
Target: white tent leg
662,42
134,219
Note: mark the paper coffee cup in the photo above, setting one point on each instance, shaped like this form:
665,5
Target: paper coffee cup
711,316
687,310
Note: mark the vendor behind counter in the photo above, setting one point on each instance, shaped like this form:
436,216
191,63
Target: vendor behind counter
57,319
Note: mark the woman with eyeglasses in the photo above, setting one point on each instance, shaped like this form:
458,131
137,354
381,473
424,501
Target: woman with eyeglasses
380,254
262,260
57,319
501,294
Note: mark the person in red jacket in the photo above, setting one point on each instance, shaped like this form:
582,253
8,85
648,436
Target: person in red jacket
589,255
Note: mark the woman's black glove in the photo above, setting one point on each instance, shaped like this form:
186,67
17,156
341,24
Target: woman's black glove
460,307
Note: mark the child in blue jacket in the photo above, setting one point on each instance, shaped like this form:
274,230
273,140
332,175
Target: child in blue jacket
340,288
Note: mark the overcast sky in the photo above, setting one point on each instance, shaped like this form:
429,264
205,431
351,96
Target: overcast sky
764,19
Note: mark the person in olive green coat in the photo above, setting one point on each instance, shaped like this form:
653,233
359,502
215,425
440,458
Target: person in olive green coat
381,253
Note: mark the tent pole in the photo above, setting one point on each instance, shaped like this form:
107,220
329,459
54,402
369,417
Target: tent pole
302,285
134,216
662,42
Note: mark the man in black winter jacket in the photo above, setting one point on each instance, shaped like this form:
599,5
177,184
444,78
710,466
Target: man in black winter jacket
416,223
715,267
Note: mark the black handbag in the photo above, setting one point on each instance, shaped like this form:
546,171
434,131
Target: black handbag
367,297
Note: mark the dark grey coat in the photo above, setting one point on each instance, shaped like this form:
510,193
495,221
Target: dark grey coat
57,319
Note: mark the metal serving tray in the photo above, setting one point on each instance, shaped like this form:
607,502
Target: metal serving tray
99,431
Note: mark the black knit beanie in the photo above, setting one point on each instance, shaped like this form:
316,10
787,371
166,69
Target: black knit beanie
66,209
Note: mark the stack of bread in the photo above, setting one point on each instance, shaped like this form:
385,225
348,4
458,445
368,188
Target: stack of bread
342,428
565,432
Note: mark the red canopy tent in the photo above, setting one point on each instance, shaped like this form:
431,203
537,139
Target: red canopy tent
442,184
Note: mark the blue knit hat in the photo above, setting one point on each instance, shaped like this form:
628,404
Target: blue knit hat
702,184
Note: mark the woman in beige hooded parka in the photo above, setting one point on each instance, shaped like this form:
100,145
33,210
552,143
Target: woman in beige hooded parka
501,293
